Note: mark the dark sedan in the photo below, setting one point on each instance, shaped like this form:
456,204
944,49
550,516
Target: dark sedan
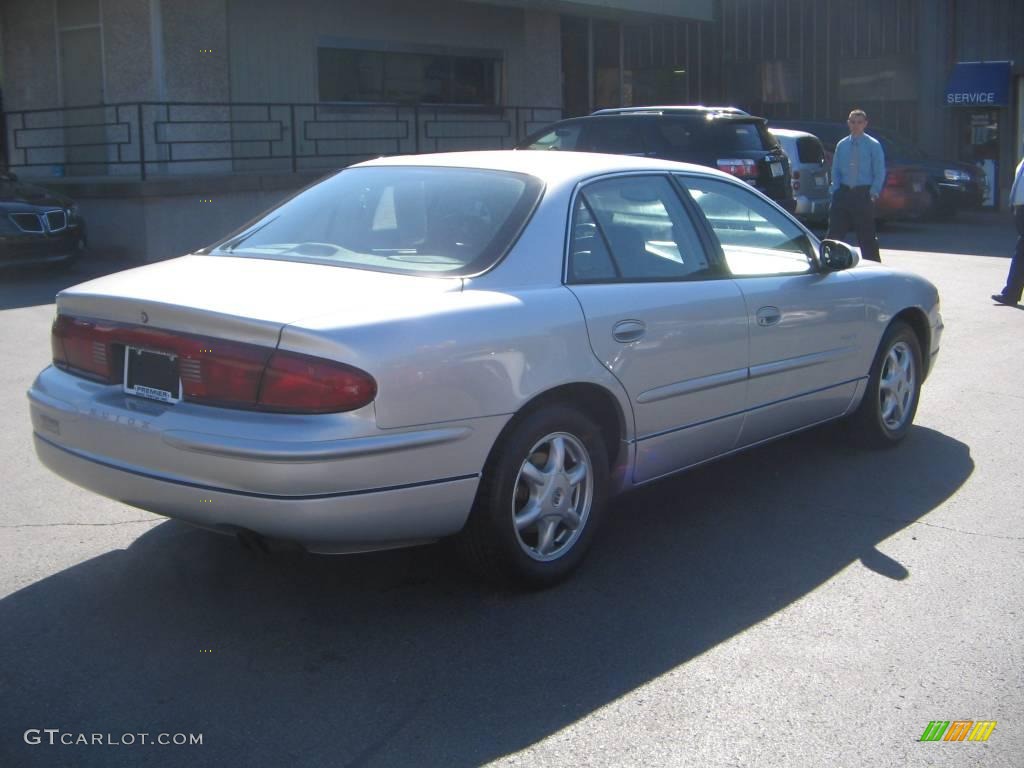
36,226
950,185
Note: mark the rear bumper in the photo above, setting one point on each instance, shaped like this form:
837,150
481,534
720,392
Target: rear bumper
331,524
332,483
812,208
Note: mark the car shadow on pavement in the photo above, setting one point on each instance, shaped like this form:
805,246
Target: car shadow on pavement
32,286
398,658
972,233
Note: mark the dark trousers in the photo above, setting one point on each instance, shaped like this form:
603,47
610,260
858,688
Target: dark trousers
1015,280
852,209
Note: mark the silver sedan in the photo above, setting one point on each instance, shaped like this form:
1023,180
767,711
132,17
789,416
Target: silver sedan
480,345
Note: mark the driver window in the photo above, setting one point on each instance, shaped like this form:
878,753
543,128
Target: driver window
756,238
564,136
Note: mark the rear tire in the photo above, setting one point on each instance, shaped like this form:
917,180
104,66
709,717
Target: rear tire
887,411
540,502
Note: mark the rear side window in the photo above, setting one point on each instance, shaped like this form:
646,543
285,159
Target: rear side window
562,137
677,137
634,229
616,136
810,150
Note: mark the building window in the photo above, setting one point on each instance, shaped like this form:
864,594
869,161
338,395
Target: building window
407,76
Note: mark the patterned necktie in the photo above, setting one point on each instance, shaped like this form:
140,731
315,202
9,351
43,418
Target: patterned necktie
854,162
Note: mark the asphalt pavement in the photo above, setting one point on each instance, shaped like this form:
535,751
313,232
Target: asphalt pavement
804,604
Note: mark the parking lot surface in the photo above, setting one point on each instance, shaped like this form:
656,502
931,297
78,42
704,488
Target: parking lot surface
804,604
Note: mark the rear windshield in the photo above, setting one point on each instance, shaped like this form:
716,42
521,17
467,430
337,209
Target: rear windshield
810,150
404,219
690,134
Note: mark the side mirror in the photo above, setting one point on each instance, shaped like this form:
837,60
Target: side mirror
835,256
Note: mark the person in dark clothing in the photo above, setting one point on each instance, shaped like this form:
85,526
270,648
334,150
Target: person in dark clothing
1011,293
858,174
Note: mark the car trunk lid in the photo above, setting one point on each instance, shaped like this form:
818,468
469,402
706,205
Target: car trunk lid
239,298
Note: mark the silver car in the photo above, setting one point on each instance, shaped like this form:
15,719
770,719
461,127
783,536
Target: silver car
480,345
810,173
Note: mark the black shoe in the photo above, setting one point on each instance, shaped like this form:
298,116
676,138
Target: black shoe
1000,299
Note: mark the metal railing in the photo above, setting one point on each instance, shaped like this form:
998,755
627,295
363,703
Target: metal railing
145,139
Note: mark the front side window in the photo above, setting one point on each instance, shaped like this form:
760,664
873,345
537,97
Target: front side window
756,238
633,229
562,137
405,219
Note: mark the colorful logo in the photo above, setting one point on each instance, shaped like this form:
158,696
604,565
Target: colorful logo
958,730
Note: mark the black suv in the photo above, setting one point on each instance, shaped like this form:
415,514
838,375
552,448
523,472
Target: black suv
719,137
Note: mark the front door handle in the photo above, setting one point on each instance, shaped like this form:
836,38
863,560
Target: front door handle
628,330
767,316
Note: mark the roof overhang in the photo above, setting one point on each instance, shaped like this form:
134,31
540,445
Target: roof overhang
696,10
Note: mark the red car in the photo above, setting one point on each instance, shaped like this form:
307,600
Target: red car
905,194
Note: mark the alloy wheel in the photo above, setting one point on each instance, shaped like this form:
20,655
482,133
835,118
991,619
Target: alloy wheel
897,386
552,496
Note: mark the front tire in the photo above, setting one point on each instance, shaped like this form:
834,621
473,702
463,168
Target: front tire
541,500
887,411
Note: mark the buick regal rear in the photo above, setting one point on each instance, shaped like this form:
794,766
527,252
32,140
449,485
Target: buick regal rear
271,385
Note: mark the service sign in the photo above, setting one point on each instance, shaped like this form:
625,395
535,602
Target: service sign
979,84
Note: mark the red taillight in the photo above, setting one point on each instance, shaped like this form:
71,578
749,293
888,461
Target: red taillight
294,382
83,347
214,371
745,169
896,178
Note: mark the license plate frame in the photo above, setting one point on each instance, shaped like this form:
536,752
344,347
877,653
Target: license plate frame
152,374
776,170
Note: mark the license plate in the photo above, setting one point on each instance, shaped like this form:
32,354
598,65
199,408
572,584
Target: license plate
776,169
819,181
152,374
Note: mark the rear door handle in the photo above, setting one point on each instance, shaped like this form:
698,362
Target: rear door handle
628,330
767,316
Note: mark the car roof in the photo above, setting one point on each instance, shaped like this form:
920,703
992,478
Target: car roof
791,133
551,167
684,109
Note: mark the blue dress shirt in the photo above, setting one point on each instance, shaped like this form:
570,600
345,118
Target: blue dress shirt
1017,190
870,166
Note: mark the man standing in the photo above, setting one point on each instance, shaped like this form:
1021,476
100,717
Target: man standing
858,174
1015,280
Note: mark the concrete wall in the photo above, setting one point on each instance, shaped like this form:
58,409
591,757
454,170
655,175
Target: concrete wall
195,39
158,220
273,45
30,55
127,54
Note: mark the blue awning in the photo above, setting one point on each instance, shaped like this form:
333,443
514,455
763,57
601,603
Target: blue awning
979,84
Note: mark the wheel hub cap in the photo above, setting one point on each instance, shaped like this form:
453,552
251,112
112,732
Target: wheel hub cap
552,498
897,386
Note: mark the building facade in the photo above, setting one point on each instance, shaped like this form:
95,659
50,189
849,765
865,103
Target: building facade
146,91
